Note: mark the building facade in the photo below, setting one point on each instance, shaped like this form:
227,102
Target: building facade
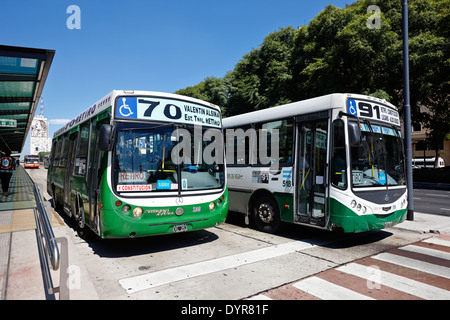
39,140
420,150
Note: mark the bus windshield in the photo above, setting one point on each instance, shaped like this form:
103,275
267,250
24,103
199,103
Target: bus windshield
142,161
32,159
377,161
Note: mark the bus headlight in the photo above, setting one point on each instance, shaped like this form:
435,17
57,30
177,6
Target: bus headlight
212,205
137,212
353,203
126,208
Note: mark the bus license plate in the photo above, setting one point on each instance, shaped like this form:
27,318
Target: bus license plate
180,228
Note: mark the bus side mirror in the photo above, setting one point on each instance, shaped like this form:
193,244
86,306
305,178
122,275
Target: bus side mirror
106,137
354,133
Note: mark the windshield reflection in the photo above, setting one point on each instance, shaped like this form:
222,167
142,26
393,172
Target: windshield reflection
142,162
378,161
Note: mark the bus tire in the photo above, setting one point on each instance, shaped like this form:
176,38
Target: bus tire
266,214
82,229
57,205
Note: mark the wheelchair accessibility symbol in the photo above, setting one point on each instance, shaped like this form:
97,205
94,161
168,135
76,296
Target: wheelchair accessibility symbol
351,107
127,108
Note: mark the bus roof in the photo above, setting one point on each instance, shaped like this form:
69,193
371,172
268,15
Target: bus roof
108,100
322,103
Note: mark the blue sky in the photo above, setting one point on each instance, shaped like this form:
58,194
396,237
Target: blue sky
157,45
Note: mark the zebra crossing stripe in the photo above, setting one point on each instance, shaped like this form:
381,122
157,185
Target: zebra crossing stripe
327,290
400,283
414,264
439,241
427,251
420,256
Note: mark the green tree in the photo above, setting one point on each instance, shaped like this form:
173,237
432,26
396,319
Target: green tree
263,77
339,52
212,89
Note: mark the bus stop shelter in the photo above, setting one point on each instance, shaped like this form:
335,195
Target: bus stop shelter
23,72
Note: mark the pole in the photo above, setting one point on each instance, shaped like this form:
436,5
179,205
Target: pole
407,113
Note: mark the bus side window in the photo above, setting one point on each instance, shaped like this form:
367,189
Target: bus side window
339,161
285,139
238,143
58,151
52,154
82,151
64,150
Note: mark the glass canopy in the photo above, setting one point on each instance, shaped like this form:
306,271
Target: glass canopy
23,72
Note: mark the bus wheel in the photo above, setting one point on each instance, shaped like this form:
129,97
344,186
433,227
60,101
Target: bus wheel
82,230
266,214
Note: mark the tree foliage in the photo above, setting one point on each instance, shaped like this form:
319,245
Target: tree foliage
339,52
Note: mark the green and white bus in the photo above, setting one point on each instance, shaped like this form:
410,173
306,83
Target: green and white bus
112,167
334,162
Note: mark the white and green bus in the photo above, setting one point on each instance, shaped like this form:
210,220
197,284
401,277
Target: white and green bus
113,169
334,162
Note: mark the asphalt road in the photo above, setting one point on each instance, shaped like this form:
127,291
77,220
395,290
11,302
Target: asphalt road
228,262
432,201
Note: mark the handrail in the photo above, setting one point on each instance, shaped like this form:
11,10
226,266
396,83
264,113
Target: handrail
51,247
48,248
43,257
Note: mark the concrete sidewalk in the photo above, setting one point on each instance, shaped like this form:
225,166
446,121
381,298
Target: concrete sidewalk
21,276
427,223
25,280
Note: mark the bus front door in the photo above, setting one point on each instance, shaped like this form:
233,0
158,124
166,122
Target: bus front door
95,171
311,179
94,187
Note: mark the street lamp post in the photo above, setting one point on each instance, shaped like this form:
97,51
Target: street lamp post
407,112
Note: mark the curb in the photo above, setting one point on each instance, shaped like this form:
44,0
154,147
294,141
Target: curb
426,223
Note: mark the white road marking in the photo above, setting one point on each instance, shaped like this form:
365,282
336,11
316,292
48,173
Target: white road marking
427,251
327,290
439,241
159,278
414,264
394,281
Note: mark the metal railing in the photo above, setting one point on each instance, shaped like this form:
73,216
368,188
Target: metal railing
48,248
